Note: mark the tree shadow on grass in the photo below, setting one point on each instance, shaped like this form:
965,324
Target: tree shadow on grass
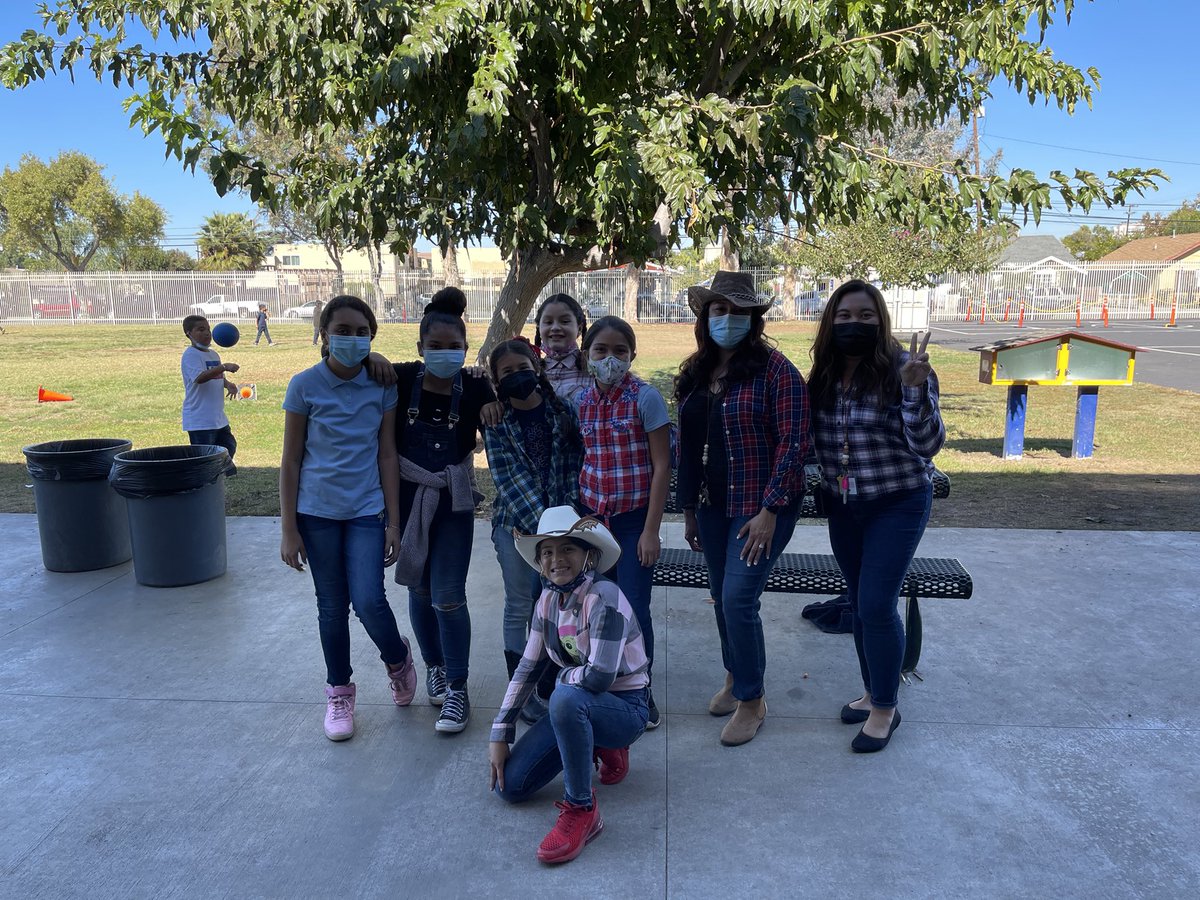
995,446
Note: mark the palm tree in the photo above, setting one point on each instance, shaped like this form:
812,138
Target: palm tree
231,242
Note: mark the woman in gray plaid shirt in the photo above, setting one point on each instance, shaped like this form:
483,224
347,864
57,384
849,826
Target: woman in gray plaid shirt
876,426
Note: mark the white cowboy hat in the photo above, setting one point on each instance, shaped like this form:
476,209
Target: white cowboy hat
563,521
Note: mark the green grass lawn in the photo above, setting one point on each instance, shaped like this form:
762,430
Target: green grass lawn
126,383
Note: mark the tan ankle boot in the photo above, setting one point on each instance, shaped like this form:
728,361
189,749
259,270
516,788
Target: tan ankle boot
723,701
747,719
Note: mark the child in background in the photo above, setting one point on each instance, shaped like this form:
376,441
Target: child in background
583,624
261,317
204,417
436,439
337,498
627,463
560,321
534,455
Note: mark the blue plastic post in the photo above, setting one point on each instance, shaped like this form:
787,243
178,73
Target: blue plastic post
1014,421
1085,422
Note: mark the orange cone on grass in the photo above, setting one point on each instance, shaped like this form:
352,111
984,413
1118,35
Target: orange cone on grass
45,396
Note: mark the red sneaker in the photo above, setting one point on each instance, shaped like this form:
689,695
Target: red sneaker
613,764
576,826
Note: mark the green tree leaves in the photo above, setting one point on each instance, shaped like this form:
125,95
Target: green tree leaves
66,211
231,242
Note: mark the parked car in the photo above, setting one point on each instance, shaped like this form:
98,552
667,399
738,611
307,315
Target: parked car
303,311
218,307
51,301
810,303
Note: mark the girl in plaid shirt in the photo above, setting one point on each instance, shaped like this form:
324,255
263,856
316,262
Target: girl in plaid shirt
534,453
743,415
626,462
560,321
877,426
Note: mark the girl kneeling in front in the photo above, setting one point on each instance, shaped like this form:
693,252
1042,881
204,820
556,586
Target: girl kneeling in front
583,624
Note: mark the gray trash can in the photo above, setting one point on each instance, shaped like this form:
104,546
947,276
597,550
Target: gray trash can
82,523
176,502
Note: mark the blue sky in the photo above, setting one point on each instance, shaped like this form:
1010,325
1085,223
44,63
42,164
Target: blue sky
1145,110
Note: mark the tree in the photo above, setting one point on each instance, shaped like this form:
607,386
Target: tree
1092,242
65,212
145,259
1184,220
575,134
230,242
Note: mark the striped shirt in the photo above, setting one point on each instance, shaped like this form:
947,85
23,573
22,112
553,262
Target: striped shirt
891,448
593,635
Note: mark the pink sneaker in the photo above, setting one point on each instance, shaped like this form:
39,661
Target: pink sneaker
339,712
403,682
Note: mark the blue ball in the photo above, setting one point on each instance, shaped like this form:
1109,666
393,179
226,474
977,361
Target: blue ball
226,334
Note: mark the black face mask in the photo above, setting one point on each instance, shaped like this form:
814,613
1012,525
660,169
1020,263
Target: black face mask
855,338
518,385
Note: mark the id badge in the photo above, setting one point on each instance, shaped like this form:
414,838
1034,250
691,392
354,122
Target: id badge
851,486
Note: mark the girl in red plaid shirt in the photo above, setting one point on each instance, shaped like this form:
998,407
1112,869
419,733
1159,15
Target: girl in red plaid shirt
626,464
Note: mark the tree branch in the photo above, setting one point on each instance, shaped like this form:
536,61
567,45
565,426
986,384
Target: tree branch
716,56
864,38
734,72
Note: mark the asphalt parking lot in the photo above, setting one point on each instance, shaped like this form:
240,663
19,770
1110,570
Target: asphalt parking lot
1170,356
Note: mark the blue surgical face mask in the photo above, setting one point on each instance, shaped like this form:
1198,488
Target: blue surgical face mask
349,349
444,363
728,331
609,370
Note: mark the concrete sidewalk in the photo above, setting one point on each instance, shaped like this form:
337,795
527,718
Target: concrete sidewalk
167,743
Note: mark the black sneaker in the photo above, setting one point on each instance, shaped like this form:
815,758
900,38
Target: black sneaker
655,718
535,708
435,684
455,710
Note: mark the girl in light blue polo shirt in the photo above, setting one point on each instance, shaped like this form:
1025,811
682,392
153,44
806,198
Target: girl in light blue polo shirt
338,490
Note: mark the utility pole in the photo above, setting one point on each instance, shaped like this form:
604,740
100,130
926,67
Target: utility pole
1128,218
975,114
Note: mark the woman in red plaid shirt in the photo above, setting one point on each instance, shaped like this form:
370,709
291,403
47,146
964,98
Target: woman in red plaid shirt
626,464
743,417
877,425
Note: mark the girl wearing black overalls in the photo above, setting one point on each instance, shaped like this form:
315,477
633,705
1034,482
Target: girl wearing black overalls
436,432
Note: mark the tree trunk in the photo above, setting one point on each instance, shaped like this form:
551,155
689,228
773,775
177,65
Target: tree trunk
729,256
375,261
450,273
633,281
788,301
528,272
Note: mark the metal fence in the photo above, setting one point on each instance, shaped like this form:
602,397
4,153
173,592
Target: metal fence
1056,291
1153,291
289,295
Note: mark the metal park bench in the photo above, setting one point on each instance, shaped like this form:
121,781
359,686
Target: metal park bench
818,573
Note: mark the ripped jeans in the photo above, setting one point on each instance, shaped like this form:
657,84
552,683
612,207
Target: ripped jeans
438,607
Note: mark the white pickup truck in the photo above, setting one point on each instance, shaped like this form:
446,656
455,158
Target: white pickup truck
217,307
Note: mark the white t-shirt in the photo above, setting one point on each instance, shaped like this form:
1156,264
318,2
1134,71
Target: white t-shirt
203,404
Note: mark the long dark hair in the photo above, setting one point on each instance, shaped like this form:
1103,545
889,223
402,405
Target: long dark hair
521,347
875,374
576,310
749,358
446,307
344,301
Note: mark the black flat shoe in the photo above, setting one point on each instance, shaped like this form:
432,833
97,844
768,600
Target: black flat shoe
863,743
852,716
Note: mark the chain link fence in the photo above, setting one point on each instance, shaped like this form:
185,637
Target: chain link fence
1156,291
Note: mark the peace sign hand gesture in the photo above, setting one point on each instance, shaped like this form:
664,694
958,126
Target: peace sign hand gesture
915,372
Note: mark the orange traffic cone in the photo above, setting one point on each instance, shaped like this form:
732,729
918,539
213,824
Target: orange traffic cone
45,396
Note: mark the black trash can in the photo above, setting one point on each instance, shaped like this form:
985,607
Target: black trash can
176,502
82,523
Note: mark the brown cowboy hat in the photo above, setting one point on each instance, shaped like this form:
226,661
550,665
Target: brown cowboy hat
736,287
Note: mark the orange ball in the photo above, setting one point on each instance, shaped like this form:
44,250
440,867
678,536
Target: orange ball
246,393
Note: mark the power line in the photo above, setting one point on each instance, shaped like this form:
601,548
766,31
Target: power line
1129,156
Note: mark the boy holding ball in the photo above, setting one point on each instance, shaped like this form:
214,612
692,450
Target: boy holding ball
204,382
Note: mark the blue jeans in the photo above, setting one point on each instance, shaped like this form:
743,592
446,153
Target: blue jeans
438,607
522,587
262,332
737,592
564,741
874,542
217,437
345,557
635,580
